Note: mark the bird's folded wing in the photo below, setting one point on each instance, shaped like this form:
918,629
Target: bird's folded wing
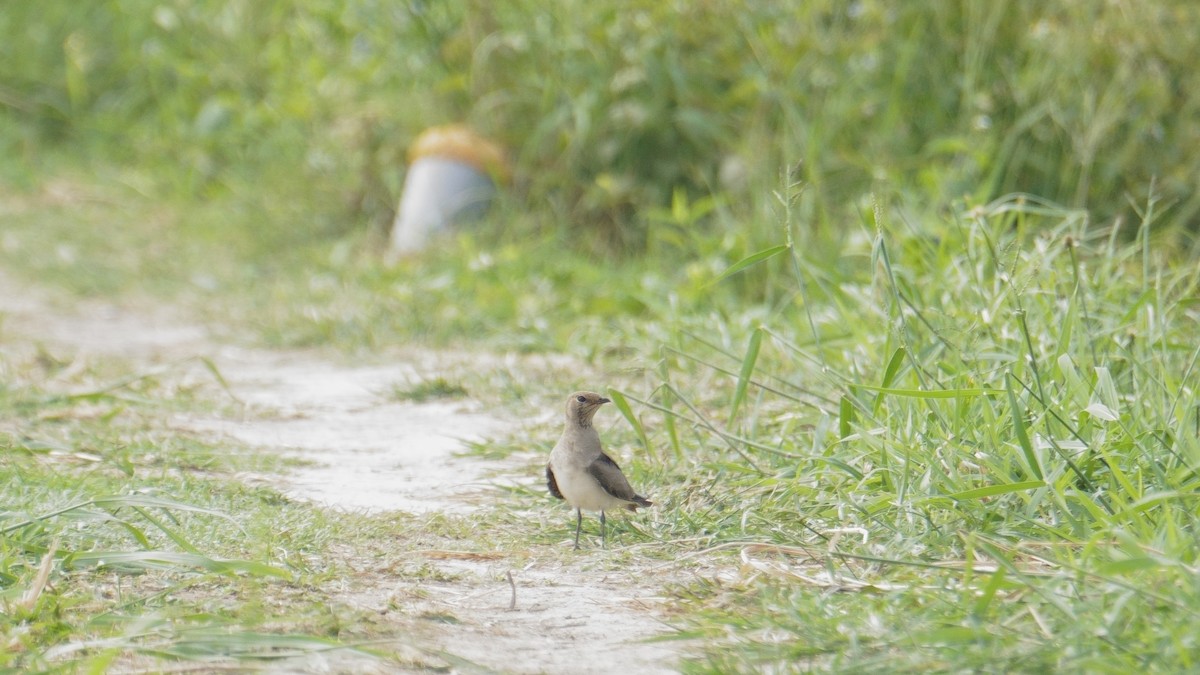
608,474
552,483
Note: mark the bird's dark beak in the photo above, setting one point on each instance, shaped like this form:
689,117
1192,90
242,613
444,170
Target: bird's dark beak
605,400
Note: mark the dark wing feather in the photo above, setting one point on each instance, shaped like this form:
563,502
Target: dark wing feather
608,474
551,483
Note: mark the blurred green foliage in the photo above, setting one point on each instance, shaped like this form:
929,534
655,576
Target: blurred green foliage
612,109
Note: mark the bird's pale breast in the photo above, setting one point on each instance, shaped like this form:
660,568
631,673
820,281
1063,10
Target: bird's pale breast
578,487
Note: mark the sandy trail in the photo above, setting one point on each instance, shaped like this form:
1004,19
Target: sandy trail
364,450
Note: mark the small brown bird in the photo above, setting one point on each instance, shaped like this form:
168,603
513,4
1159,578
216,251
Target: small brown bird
579,471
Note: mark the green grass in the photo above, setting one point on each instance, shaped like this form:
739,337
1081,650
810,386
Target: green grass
966,442
426,390
1015,442
917,417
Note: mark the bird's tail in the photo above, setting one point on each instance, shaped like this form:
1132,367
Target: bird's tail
637,501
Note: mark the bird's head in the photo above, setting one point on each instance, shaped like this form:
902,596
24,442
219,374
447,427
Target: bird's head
582,407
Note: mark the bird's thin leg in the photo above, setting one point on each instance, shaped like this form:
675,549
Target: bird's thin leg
603,533
578,526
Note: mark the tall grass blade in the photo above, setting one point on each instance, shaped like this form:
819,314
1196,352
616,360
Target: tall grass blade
216,373
748,261
893,367
174,536
994,490
116,501
246,645
668,412
134,561
748,362
989,591
622,404
889,374
1020,430
845,417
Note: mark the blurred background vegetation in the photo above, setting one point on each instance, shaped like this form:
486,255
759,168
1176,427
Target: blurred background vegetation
620,115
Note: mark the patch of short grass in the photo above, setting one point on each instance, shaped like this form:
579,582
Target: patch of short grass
430,389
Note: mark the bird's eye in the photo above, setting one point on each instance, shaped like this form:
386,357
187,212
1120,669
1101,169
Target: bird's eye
581,399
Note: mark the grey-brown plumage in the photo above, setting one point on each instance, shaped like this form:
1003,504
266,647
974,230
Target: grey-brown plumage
580,473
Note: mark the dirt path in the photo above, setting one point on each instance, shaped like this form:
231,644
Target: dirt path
364,450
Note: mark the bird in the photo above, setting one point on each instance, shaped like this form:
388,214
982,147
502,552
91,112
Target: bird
581,474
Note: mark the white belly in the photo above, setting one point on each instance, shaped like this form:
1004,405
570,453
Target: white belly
581,490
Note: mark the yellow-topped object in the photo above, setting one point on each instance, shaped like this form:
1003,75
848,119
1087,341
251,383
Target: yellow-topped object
459,142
